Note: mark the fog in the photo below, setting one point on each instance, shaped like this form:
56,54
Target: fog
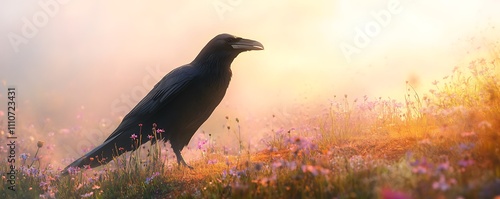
87,63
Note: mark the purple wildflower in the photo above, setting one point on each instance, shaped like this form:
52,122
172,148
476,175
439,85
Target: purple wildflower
301,144
442,184
149,179
24,156
466,161
444,165
420,166
466,147
133,137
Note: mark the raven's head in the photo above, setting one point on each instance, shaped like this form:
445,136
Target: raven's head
225,47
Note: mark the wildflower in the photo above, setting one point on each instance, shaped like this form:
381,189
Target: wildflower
134,136
24,156
224,174
468,134
419,170
466,147
420,166
48,194
309,168
214,161
121,149
31,171
148,180
43,184
314,170
442,184
277,164
444,166
73,170
201,143
150,137
140,125
265,181
301,144
160,131
227,161
39,144
291,165
356,162
87,194
466,161
79,186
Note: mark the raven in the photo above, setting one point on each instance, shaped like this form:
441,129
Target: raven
179,103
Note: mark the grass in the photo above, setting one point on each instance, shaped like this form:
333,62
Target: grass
443,144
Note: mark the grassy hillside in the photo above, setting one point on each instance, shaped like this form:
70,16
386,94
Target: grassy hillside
440,144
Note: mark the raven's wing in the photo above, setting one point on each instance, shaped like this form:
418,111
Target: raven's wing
162,93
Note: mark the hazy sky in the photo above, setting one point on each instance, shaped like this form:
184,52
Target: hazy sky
101,57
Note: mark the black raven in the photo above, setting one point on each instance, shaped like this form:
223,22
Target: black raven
179,103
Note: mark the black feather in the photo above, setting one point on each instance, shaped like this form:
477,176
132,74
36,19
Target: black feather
179,103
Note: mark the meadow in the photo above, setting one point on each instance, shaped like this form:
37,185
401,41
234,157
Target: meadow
444,143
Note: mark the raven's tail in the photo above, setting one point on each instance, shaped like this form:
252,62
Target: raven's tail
100,155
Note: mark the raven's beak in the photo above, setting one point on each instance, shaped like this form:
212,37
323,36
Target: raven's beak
247,44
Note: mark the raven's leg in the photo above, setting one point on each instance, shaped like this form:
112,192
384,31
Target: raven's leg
180,160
